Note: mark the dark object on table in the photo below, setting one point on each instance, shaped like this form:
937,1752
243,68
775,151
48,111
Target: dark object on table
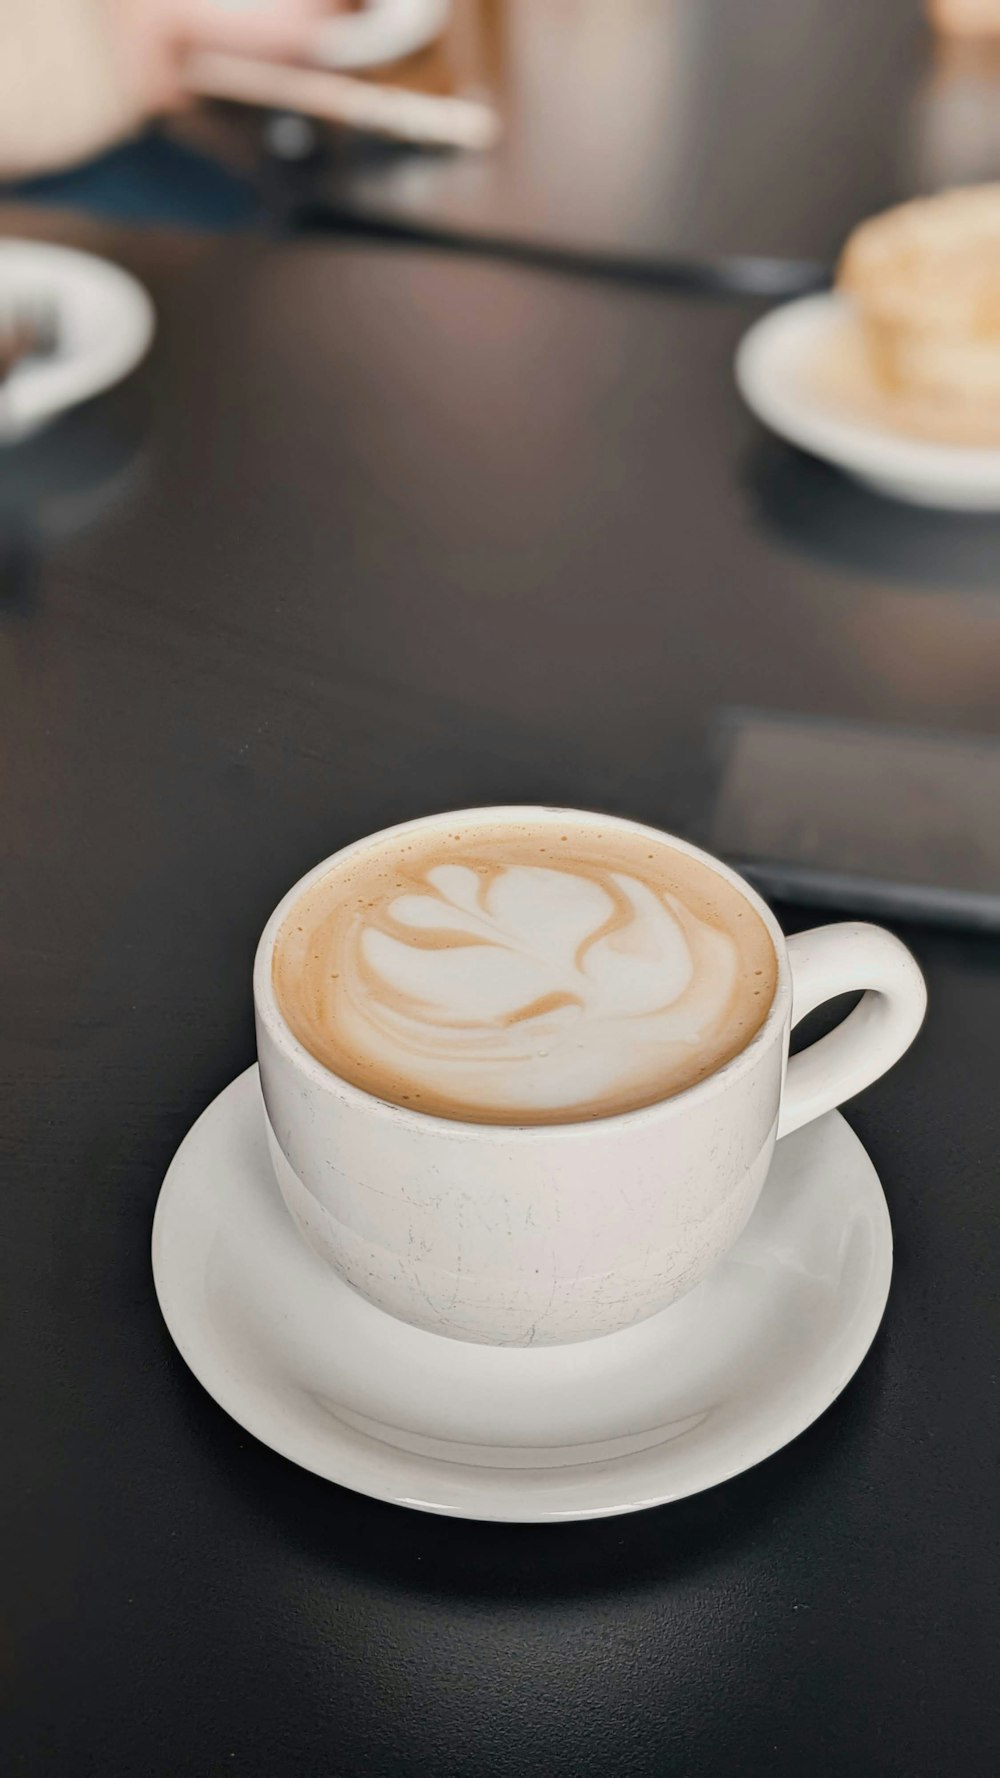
738,274
856,816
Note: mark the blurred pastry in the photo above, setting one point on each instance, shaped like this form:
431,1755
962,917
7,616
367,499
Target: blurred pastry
925,281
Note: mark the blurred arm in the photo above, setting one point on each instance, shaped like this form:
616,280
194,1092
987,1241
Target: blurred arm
76,75
64,91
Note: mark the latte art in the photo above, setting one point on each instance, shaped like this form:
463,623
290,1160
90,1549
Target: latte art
508,977
533,986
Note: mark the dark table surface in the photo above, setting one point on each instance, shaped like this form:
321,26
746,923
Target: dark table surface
373,534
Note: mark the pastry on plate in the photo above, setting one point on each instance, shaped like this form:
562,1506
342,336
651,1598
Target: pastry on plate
924,279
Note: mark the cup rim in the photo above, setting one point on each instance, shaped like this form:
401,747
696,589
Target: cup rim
269,1013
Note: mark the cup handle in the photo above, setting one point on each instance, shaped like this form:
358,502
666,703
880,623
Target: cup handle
833,960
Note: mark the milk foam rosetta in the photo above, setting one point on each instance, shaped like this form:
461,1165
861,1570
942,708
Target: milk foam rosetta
523,974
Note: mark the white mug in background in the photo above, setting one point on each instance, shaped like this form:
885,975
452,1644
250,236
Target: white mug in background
539,1234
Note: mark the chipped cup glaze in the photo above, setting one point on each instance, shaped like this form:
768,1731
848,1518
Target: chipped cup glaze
540,1234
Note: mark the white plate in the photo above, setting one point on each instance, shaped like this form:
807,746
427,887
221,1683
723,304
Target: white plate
383,31
694,1395
776,370
105,322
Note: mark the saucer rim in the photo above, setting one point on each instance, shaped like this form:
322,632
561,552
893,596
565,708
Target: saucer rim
764,373
497,1505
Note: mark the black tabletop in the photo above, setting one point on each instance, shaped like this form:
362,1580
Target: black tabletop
370,535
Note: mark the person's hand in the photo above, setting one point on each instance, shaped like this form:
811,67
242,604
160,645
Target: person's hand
153,36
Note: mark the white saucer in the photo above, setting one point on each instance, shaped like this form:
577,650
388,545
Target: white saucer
776,371
695,1395
105,323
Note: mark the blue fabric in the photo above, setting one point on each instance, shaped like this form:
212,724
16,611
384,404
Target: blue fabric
154,180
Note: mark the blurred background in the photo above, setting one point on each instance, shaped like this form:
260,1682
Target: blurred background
445,294
647,125
417,405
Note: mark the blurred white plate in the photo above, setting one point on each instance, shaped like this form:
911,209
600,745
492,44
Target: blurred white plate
384,31
105,324
777,372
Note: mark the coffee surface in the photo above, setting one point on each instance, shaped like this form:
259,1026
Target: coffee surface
523,973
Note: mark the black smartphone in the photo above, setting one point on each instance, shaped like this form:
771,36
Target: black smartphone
859,816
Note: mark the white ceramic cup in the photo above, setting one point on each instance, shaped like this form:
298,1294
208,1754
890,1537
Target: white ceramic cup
537,1234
